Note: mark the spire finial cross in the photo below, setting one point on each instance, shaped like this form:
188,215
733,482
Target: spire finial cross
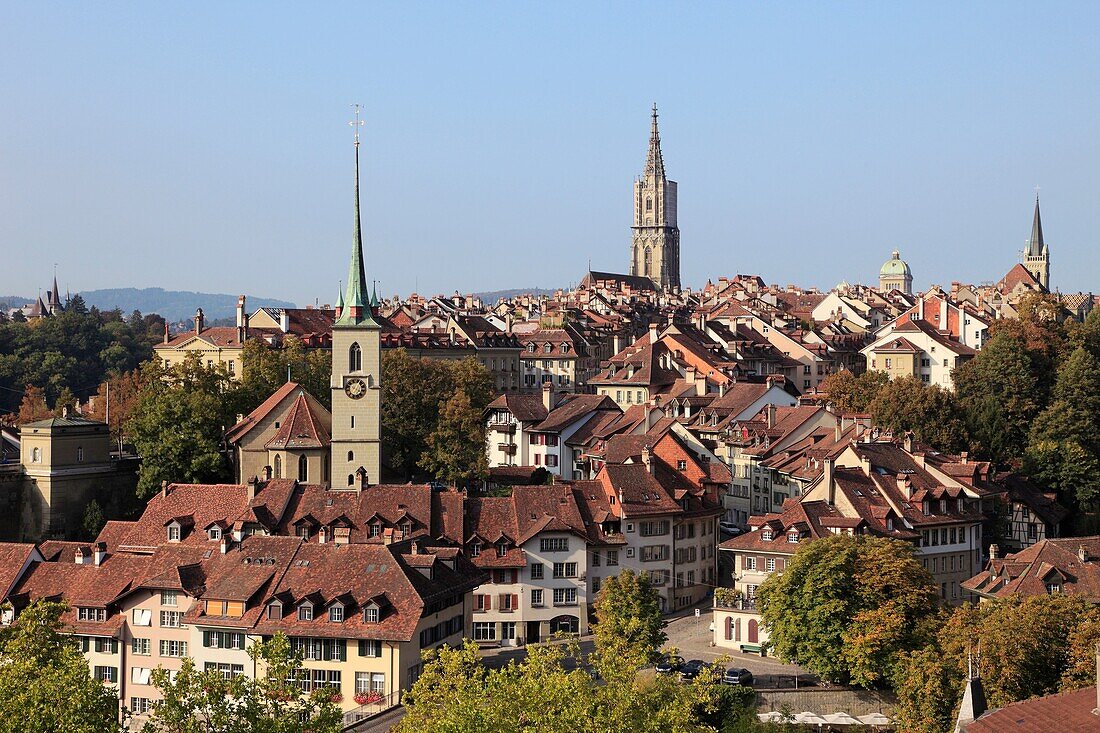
357,123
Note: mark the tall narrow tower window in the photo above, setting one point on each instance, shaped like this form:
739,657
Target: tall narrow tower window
649,204
645,268
278,467
355,358
303,469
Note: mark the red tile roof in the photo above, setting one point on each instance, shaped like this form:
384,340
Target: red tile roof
1065,712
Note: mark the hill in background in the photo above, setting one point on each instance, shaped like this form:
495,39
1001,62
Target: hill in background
175,305
493,296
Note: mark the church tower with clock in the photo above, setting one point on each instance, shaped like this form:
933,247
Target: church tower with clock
356,373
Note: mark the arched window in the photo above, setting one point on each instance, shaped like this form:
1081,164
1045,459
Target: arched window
36,455
645,265
355,358
754,631
649,204
303,468
351,455
351,479
278,467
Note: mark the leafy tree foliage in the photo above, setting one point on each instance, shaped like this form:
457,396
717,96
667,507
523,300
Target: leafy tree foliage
929,411
207,702
125,390
266,369
629,624
45,686
32,407
551,691
177,424
1021,647
456,447
94,520
74,349
849,393
848,607
414,392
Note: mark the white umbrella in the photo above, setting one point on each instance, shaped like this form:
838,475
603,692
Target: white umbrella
874,719
808,718
773,717
841,719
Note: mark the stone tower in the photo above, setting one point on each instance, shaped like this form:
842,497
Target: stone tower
356,375
1037,256
655,245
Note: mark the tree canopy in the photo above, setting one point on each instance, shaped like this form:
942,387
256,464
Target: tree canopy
930,412
45,685
846,607
849,393
629,623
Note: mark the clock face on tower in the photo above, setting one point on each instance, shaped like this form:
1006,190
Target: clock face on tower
355,388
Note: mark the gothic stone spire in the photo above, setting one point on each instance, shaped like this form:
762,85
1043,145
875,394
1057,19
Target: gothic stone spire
1035,245
654,163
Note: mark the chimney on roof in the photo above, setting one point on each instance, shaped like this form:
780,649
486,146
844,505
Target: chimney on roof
223,546
964,457
905,485
548,396
164,488
284,321
827,477
82,556
769,412
166,337
200,321
647,458
509,321
993,552
1082,553
99,552
242,320
653,333
907,441
838,429
252,488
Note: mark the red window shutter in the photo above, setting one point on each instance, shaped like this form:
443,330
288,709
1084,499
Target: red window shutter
515,601
515,576
488,603
538,459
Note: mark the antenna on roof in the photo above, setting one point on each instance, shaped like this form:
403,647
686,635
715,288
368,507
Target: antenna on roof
288,372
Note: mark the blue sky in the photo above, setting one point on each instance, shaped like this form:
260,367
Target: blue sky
205,146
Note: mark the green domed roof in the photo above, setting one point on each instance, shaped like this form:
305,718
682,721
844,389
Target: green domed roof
895,267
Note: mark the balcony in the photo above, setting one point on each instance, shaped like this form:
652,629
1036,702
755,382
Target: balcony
370,709
738,604
507,448
509,428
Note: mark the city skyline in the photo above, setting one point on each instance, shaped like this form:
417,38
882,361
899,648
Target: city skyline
235,145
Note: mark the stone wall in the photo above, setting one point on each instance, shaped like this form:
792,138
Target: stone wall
827,700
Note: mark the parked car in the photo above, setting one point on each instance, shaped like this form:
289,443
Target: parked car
669,664
735,676
729,527
692,669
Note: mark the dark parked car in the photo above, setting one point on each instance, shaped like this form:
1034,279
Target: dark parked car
735,676
691,669
669,663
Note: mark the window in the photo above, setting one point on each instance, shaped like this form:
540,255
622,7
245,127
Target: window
214,533
228,671
140,647
475,549
303,468
554,544
336,614
223,639
370,682
502,548
79,454
653,529
91,614
370,648
612,558
654,553
371,614
106,674
750,563
278,467
305,612
355,358
142,617
140,705
536,597
595,561
769,564
565,596
173,648
596,584
168,597
681,465
485,631
173,533
326,650
565,570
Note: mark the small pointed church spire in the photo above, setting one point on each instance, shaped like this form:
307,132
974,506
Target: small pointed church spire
654,163
355,310
1035,245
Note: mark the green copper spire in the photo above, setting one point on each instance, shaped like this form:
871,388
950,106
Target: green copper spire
356,311
374,302
340,298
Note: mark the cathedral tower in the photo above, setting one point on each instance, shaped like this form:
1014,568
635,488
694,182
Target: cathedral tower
1037,256
356,373
655,245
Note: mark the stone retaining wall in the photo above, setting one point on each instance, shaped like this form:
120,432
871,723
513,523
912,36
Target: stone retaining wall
827,700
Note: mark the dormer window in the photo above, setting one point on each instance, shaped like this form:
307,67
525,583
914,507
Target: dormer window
792,536
375,529
371,614
766,534
475,549
214,533
406,529
173,533
336,613
548,348
502,548
275,610
305,611
890,524
531,348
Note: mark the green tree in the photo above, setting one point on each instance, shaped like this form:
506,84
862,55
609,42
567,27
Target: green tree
928,689
629,625
847,607
94,520
178,422
266,369
550,691
470,376
45,686
456,448
930,412
849,393
412,392
207,702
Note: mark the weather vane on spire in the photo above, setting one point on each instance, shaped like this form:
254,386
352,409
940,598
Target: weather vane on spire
356,123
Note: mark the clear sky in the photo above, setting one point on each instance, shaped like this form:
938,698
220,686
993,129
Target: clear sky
204,146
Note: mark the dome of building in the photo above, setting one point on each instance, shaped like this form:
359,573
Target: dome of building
895,267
